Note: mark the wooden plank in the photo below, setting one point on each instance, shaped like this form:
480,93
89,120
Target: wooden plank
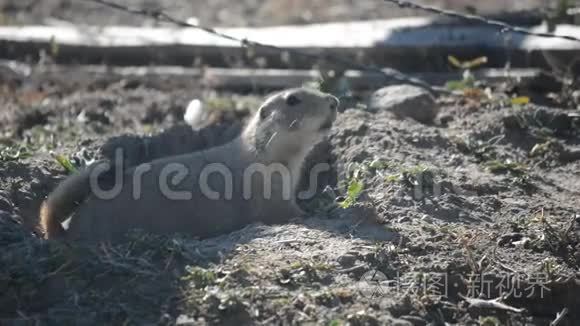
249,79
408,44
278,78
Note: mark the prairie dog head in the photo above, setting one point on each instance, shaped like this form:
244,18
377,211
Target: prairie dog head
290,122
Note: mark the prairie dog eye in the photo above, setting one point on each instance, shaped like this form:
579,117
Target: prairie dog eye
263,113
292,100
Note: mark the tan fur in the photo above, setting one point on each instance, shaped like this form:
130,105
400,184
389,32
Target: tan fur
279,133
62,202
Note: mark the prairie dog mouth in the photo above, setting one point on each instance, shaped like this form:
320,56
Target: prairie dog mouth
327,124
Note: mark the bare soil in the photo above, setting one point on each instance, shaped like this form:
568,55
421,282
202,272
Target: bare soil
445,209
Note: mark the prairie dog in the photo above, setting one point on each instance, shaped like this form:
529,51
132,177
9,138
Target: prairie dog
253,178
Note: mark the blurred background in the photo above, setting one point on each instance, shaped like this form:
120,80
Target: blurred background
246,12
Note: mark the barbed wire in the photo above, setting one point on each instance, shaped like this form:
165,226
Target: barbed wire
391,74
160,15
504,27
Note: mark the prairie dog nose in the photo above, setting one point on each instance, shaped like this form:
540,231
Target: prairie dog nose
333,102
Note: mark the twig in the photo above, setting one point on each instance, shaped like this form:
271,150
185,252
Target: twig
559,317
357,268
490,304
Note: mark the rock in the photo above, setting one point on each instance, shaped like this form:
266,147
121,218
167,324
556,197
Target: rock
347,260
405,101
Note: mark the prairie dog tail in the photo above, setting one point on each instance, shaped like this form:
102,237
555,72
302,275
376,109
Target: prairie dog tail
59,204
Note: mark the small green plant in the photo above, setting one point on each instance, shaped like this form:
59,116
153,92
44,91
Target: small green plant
54,47
483,151
501,167
489,321
336,322
460,85
551,268
357,172
468,81
199,276
332,81
65,163
419,175
392,178
355,188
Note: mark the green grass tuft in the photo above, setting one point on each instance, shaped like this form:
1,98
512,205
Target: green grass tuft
65,163
355,188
